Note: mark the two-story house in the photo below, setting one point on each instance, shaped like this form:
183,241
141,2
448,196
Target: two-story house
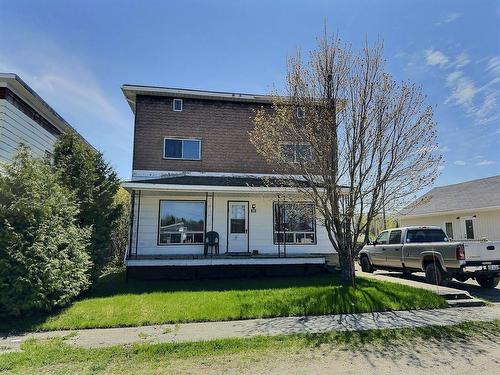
26,118
194,171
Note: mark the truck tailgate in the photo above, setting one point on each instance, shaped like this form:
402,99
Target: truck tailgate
482,251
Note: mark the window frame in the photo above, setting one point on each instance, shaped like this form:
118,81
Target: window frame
274,232
178,100
380,234
158,243
300,113
400,237
296,145
446,229
165,157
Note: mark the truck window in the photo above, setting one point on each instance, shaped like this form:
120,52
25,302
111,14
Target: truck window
395,237
425,235
383,238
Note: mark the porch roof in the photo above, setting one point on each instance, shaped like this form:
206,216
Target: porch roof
222,183
216,183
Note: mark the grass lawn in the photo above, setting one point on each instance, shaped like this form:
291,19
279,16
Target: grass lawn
56,357
114,302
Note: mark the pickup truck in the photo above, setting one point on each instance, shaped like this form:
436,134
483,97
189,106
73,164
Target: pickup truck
428,249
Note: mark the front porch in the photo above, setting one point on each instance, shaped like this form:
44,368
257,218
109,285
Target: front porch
170,222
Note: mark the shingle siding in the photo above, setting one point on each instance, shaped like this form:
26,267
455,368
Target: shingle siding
223,127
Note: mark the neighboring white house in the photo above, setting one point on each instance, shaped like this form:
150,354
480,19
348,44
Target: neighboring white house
466,211
26,118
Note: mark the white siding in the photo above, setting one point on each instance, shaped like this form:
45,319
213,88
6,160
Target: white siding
260,225
486,223
16,128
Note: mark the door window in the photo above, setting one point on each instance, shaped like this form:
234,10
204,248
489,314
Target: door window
383,238
469,229
395,237
238,218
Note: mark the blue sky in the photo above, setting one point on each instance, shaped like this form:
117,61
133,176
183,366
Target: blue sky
76,55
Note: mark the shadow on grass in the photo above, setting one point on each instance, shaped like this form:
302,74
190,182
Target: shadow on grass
115,284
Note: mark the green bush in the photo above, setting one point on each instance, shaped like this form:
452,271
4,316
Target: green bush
43,258
84,171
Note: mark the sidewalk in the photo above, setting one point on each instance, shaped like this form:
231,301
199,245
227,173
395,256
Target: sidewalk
256,327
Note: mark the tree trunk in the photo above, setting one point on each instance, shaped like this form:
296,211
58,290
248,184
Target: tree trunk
346,266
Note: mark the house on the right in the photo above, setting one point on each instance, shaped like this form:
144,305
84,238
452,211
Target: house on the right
466,211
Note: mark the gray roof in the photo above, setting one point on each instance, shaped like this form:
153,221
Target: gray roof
223,181
482,193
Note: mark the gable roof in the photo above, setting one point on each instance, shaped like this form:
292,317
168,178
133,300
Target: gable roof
482,193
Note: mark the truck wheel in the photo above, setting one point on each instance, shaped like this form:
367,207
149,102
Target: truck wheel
488,281
366,265
435,275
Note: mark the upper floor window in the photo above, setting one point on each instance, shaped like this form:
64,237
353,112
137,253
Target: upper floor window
184,149
296,153
177,105
300,113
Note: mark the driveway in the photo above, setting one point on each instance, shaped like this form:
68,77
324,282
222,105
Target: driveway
491,295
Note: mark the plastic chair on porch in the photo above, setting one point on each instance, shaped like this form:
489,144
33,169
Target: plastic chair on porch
212,241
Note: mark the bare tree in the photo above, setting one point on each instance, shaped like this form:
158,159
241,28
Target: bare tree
348,138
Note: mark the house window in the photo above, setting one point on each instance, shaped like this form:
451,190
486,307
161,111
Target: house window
177,105
449,229
296,153
185,149
300,113
181,222
294,223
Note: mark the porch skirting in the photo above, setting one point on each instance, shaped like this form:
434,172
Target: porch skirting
224,271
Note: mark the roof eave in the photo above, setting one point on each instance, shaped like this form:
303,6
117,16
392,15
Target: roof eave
13,82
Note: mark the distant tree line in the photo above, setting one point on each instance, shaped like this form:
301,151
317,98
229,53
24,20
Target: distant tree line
63,222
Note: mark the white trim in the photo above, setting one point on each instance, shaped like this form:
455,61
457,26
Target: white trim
226,261
173,105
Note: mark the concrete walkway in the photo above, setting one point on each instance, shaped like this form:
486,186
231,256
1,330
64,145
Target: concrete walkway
257,327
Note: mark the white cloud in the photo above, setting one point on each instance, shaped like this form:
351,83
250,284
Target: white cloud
463,89
459,162
486,162
494,66
452,17
441,167
435,57
461,60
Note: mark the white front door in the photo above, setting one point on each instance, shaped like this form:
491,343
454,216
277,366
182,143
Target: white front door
237,227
